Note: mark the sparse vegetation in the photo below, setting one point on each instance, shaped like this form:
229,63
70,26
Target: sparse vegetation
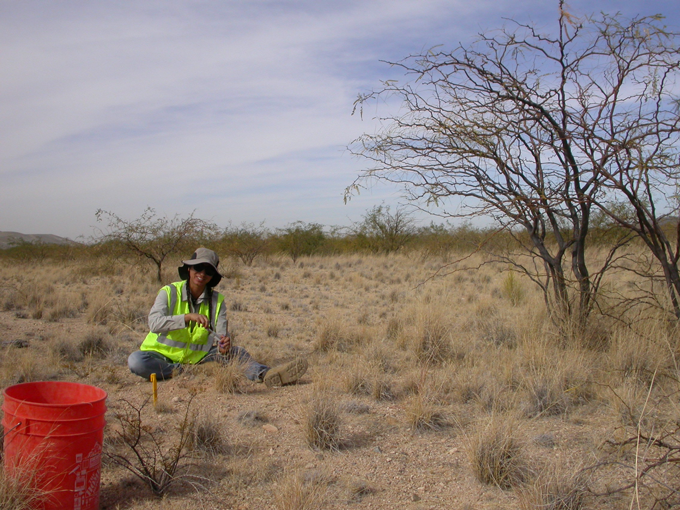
411,379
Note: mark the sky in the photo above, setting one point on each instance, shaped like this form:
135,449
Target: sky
238,111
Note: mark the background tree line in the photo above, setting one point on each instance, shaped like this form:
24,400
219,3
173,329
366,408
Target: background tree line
154,238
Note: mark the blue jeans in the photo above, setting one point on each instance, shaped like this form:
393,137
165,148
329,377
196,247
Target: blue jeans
145,363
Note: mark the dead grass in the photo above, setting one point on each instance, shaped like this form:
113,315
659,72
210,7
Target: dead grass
423,415
19,492
209,436
497,455
301,492
322,424
557,487
400,365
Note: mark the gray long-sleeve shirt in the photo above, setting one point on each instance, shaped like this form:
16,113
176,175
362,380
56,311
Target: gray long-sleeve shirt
162,321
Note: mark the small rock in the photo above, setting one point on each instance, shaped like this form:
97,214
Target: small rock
310,466
268,427
176,399
377,449
415,497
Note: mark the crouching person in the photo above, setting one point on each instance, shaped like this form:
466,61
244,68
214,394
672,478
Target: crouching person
188,324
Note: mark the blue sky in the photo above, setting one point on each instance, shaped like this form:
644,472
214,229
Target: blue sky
239,110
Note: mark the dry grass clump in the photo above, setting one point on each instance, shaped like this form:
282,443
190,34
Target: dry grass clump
629,402
495,327
20,491
496,455
381,355
335,336
26,365
382,388
365,379
122,311
95,344
322,426
554,386
302,492
430,337
555,488
643,357
208,436
227,376
512,289
423,415
358,489
66,350
484,387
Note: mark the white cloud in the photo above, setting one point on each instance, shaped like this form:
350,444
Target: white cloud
237,109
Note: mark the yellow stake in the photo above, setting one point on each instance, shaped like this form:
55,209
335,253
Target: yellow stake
155,389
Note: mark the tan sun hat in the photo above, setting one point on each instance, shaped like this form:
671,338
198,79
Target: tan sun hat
201,256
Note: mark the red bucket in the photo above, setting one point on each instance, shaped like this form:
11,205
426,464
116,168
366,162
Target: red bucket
53,435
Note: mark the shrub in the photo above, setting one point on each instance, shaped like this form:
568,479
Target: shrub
145,452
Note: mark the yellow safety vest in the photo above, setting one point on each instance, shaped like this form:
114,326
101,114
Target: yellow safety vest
189,344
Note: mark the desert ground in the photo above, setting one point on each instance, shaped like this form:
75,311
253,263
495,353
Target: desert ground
429,386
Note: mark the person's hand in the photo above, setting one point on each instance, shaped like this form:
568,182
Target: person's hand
197,318
224,345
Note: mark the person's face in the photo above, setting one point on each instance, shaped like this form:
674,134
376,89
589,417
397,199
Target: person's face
201,274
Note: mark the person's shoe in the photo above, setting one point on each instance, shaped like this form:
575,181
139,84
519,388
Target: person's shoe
285,374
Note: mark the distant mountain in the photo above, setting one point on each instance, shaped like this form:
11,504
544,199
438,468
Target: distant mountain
9,239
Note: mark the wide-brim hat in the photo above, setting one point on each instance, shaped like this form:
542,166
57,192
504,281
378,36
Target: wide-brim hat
201,256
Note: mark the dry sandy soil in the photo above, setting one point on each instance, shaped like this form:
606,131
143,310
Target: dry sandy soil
417,370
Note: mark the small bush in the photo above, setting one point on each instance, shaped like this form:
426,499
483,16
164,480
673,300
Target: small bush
147,452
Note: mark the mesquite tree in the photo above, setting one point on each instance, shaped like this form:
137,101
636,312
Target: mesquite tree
525,127
155,237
